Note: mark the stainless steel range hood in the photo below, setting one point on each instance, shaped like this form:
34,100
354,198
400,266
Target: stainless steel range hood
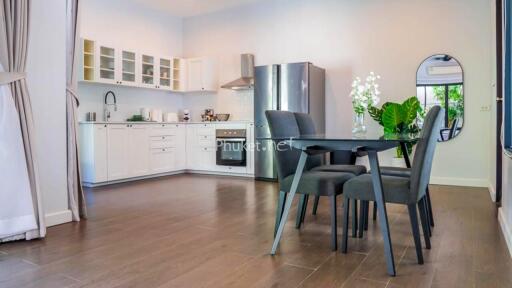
245,82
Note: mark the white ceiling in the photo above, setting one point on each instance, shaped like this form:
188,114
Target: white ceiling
187,8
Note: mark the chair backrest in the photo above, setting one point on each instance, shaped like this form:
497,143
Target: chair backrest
453,128
283,125
424,155
307,127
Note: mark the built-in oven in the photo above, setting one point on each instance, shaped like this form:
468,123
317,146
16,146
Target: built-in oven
231,147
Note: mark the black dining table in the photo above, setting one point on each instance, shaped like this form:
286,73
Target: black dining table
369,143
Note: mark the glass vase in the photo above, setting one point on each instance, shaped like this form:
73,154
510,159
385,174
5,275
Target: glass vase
358,127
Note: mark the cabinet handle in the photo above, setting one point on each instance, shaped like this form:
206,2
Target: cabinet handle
105,126
163,125
204,149
163,137
163,150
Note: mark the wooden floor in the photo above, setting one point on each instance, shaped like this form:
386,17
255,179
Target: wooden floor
207,231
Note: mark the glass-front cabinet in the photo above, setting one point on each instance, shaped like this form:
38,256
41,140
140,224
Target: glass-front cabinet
165,74
148,71
128,68
107,64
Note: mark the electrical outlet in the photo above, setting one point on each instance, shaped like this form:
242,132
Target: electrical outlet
485,108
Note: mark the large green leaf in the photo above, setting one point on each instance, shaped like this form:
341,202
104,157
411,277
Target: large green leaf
375,113
392,116
410,110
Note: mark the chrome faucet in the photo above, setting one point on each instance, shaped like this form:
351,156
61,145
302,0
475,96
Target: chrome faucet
106,106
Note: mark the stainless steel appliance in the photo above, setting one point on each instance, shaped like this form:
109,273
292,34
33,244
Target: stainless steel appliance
246,81
295,87
231,147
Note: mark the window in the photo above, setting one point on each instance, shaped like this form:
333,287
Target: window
448,96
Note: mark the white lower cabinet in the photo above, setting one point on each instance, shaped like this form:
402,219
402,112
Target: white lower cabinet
201,147
112,152
162,160
167,148
118,152
93,153
138,147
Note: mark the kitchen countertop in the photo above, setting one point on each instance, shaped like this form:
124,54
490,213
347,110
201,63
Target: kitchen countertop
148,122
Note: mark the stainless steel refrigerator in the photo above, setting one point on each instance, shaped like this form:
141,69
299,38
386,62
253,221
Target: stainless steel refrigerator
295,87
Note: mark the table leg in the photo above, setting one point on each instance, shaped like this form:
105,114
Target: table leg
381,209
403,147
289,200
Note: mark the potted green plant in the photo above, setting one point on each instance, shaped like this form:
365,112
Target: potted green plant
398,118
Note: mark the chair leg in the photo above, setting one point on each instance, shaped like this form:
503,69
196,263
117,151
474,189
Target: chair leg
354,218
424,221
429,203
300,209
362,214
374,211
334,224
305,208
366,215
315,204
279,212
415,231
346,213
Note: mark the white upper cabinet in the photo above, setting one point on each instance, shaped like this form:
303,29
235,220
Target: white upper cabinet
201,75
164,73
178,74
127,67
88,61
103,63
148,67
107,64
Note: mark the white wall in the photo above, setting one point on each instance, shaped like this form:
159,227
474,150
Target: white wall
351,38
132,26
46,76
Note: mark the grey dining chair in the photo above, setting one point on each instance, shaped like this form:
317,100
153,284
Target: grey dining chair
448,133
406,172
283,125
345,161
409,191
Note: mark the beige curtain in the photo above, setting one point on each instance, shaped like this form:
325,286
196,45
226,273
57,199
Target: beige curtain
75,192
14,28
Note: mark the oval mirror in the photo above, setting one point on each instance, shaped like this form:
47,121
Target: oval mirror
440,81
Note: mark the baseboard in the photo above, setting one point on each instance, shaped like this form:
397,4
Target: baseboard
505,229
492,192
203,172
92,185
468,182
58,218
